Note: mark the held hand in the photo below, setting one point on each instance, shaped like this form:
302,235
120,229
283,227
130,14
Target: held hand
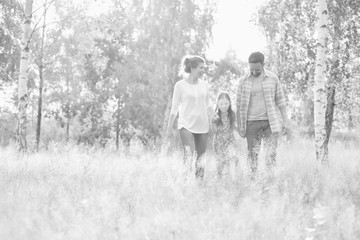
211,112
215,118
213,123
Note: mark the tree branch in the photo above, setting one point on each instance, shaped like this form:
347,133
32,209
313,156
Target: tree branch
43,6
42,15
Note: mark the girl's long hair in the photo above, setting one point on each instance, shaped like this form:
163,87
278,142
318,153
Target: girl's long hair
231,113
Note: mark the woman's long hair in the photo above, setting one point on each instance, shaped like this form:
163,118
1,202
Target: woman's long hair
231,113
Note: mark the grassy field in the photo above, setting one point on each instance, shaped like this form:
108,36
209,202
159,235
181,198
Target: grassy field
69,192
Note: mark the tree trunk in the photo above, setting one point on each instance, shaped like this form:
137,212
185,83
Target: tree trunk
171,73
39,116
68,123
350,124
308,110
329,118
23,78
117,127
68,115
41,84
320,79
167,113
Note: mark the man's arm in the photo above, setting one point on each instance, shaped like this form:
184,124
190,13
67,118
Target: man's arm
284,116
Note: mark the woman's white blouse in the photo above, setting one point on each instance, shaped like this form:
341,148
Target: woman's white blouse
191,101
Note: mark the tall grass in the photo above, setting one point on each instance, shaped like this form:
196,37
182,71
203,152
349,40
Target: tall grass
70,192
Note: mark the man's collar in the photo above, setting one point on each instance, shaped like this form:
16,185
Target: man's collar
266,74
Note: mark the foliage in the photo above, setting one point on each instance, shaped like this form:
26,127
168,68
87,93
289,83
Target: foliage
344,59
224,75
10,33
291,53
110,73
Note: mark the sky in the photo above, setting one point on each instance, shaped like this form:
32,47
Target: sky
234,31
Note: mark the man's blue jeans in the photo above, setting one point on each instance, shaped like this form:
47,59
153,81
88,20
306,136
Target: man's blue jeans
257,132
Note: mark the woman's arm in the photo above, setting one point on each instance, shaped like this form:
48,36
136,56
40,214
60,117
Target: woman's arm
214,127
170,124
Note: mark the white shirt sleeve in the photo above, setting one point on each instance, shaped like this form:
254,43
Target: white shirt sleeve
207,95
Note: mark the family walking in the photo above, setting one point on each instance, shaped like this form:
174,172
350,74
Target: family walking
259,98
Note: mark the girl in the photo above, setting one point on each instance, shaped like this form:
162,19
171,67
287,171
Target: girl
191,100
223,124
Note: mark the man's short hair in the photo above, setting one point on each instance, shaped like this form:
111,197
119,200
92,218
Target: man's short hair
256,57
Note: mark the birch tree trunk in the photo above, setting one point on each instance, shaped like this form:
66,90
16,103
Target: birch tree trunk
23,78
320,95
41,84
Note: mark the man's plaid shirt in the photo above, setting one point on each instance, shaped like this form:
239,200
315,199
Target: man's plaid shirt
273,95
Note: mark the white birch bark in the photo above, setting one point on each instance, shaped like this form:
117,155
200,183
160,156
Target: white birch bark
23,77
320,80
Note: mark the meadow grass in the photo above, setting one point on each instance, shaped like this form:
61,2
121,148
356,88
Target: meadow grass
72,192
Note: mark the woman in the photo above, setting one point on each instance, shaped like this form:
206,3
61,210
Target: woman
191,100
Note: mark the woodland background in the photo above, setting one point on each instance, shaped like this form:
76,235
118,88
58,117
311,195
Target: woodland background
106,79
98,89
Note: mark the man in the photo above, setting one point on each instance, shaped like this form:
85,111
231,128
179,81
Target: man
259,95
